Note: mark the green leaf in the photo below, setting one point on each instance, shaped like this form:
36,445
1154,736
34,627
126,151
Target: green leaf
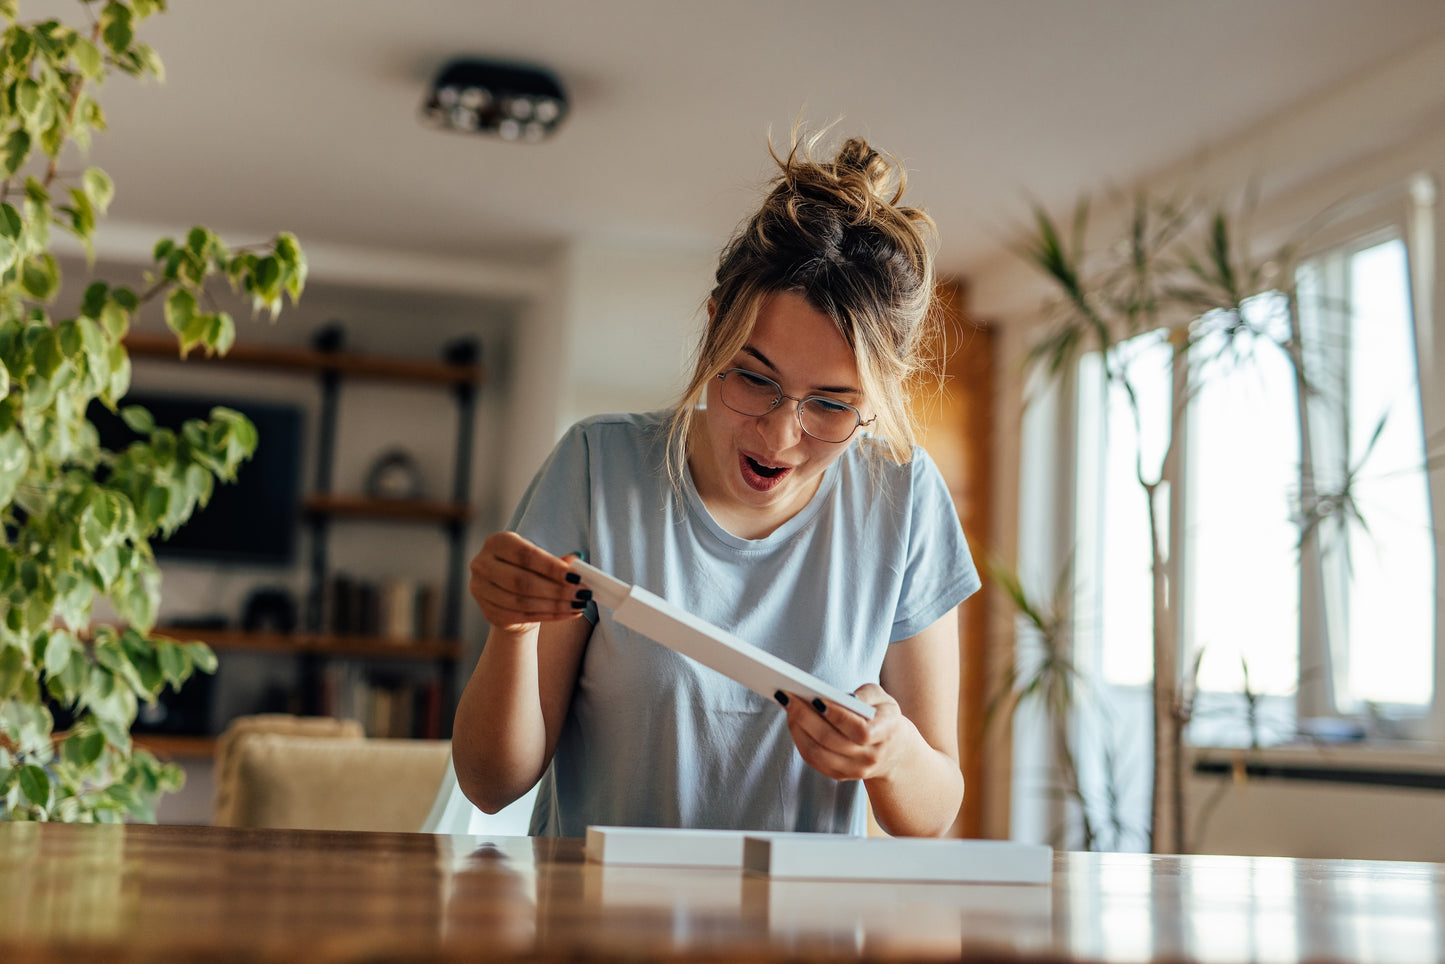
266,275
202,657
107,566
141,421
114,734
126,298
83,749
88,58
174,664
14,460
35,784
10,222
150,62
98,187
163,249
180,309
115,320
97,296
222,333
40,277
12,671
115,27
46,353
17,149
27,97
57,652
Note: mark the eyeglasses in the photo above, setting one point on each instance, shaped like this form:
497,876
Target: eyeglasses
825,419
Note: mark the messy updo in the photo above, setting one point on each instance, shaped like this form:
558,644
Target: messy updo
835,233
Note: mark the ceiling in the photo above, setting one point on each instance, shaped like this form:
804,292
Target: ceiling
303,114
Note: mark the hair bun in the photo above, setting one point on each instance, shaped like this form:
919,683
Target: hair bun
880,178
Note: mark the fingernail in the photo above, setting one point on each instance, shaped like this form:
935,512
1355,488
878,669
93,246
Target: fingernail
584,595
781,697
819,705
578,604
573,578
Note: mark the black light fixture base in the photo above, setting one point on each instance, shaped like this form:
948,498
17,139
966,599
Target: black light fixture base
513,101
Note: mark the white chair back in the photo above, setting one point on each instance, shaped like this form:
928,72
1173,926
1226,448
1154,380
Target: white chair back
452,812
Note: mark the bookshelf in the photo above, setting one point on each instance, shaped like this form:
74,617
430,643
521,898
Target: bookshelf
323,651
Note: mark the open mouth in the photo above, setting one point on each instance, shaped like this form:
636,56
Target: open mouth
766,471
760,475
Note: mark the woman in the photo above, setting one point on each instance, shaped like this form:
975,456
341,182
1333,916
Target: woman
782,499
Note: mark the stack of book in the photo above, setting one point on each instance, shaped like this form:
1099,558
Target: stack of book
386,705
397,609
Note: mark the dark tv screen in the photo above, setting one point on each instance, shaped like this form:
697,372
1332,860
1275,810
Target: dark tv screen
252,520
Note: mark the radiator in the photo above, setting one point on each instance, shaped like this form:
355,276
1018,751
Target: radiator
1351,802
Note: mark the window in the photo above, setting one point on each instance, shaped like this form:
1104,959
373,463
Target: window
1336,629
1362,642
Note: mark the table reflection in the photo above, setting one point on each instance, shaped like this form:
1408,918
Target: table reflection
1231,909
185,893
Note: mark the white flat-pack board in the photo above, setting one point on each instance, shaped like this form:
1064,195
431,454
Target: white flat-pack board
681,631
665,847
836,857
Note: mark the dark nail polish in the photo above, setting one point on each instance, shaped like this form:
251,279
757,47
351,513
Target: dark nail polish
584,595
819,705
781,697
573,578
578,604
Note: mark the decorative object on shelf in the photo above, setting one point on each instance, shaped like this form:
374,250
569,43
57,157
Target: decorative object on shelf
462,351
394,475
513,101
269,609
330,337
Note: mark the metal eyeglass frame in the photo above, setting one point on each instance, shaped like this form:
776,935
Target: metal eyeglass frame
797,409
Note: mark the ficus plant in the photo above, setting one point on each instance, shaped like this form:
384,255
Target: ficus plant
77,519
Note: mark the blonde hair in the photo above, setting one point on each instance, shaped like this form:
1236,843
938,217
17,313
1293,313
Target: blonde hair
835,233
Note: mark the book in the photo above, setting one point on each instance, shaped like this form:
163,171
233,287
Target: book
679,630
835,857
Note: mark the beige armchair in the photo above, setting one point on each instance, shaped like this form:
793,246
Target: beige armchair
316,773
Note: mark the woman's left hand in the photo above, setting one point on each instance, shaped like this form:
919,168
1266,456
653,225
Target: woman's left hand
839,743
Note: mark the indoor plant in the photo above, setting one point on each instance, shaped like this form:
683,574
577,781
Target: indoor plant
78,519
1178,275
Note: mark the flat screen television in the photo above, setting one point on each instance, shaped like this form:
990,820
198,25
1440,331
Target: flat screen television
251,521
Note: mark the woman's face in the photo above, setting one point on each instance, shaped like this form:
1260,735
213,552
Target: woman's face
755,473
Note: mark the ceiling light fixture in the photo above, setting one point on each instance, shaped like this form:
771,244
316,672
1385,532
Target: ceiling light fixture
514,102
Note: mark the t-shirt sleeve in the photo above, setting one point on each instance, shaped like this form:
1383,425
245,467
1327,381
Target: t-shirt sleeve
940,572
555,511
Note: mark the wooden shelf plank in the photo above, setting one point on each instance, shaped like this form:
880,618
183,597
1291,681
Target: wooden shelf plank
174,746
352,364
373,647
361,507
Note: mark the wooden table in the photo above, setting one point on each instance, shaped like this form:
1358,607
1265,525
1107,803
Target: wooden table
86,893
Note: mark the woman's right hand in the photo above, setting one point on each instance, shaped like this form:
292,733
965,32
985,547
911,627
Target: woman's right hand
519,586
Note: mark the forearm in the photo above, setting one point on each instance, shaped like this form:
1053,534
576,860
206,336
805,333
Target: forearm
499,740
921,796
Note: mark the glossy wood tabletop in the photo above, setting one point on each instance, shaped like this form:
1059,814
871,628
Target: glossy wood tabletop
86,893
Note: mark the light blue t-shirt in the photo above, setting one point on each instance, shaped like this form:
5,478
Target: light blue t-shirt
654,739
